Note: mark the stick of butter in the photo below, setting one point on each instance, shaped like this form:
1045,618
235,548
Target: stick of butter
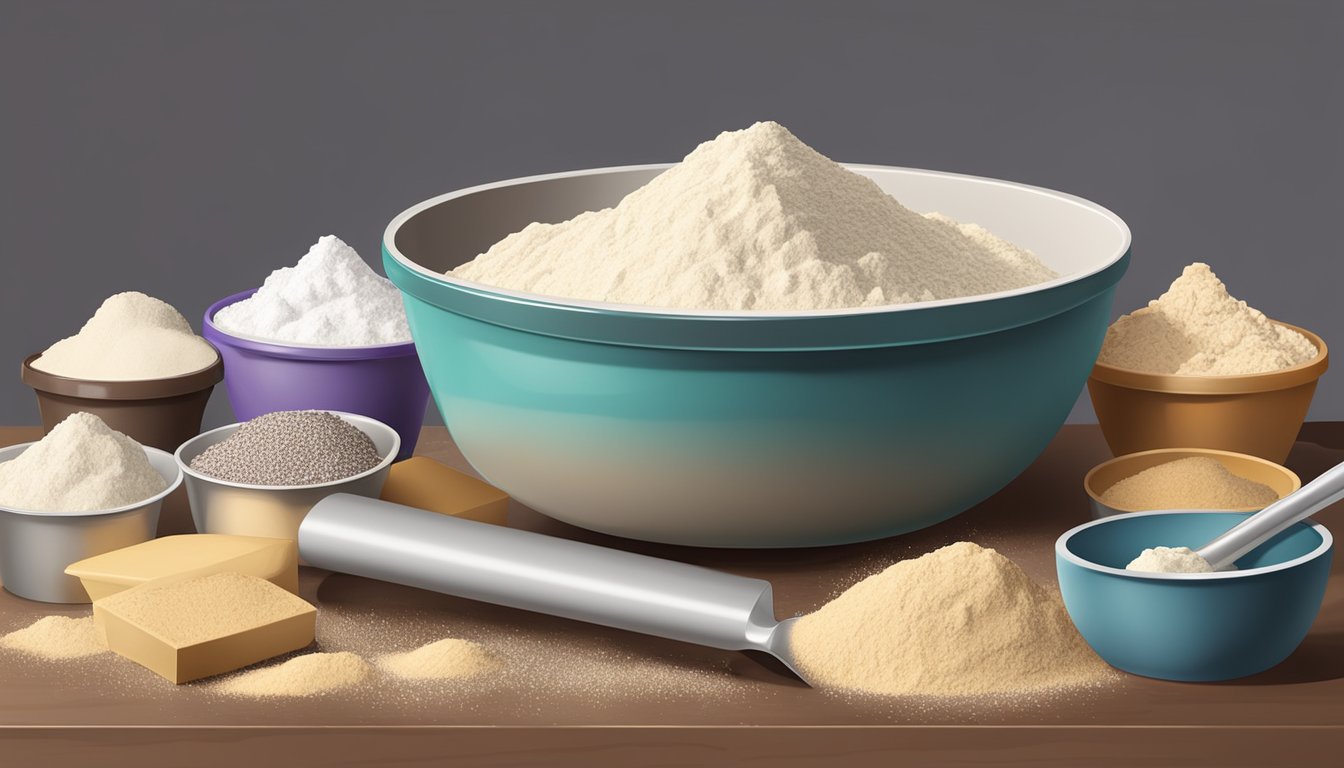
428,484
188,628
276,560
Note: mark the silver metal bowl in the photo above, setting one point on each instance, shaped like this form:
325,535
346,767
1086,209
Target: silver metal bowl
275,511
36,547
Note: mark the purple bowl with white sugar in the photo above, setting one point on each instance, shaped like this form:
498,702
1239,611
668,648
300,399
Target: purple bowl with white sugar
381,381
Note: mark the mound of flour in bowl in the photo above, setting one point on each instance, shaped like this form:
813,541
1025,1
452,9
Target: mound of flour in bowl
131,337
329,298
81,465
1197,328
756,220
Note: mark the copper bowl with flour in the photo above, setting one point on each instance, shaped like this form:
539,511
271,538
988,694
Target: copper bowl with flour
1259,414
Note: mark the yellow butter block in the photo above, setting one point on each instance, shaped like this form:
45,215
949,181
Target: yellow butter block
428,484
276,560
187,628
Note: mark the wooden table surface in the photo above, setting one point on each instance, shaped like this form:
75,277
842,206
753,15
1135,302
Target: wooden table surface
573,694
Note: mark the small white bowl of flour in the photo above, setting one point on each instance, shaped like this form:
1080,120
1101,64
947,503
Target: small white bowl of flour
82,490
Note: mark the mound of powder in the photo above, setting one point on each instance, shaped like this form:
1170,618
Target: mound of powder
57,637
445,659
1196,482
1197,329
960,621
329,298
81,465
290,448
756,220
131,337
308,675
1169,560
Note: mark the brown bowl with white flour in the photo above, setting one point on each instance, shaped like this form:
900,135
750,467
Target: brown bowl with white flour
1197,368
137,365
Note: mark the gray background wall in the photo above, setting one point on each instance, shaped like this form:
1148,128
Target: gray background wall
185,149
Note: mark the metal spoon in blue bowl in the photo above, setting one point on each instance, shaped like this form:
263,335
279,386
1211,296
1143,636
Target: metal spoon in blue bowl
1223,551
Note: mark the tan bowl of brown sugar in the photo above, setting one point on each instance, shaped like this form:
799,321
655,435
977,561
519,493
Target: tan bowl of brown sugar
1259,413
1102,477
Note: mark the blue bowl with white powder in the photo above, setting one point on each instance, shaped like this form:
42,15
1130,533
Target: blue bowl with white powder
754,428
1192,627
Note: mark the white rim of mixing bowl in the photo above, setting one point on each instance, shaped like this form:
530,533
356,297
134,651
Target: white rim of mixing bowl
354,419
1063,551
389,242
19,448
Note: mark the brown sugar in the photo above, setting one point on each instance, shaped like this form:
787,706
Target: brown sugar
308,675
205,608
57,637
1196,482
445,659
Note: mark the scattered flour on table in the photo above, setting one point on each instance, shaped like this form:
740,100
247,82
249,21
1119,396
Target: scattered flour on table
1197,329
308,675
445,659
1169,560
82,465
757,220
960,621
131,337
1195,482
57,637
329,298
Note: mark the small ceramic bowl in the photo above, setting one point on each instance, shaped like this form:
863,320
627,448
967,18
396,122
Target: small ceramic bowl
1282,480
275,511
1192,627
36,547
162,413
1258,413
381,381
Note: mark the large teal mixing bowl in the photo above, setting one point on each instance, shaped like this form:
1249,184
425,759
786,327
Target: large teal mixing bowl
754,429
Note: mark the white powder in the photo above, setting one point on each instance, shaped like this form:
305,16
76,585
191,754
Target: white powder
80,466
1169,560
329,298
757,220
1197,328
131,337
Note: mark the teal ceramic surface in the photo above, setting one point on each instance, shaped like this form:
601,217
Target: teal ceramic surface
749,429
1191,627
